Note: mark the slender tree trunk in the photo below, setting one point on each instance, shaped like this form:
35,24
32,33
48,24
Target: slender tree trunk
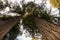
59,16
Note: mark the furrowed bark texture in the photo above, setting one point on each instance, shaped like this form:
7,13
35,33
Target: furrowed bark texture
49,30
6,25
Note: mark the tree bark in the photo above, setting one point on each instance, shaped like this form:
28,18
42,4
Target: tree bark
6,25
48,30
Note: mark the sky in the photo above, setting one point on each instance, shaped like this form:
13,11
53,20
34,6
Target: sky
48,5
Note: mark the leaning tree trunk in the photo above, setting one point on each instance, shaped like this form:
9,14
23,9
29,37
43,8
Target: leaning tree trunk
6,25
49,30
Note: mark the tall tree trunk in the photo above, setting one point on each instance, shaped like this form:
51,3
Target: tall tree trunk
6,25
49,30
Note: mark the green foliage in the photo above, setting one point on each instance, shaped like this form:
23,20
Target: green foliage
45,15
30,25
39,11
30,7
17,10
5,17
14,32
25,8
28,21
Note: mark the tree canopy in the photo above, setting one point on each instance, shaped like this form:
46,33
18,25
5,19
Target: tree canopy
28,13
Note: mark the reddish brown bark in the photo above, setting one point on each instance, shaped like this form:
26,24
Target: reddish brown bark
49,30
6,25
